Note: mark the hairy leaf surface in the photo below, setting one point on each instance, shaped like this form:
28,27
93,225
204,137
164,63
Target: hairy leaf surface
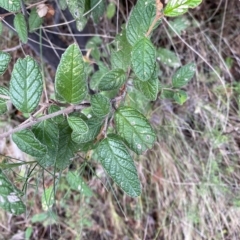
143,59
11,5
100,105
118,163
70,81
135,129
26,85
21,27
10,199
4,61
77,124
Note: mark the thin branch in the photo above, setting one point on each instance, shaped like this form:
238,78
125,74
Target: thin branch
67,110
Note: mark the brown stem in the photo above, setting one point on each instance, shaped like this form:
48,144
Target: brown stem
37,120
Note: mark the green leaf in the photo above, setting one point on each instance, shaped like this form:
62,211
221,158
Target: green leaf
121,57
70,81
63,4
21,27
178,25
34,21
28,233
1,27
183,75
4,91
96,78
94,126
4,61
148,88
140,20
66,146
76,8
47,133
55,108
77,124
10,196
94,44
111,10
135,129
143,59
40,217
180,97
118,163
28,143
112,80
47,198
100,105
26,85
167,94
77,183
11,6
98,8
168,58
3,107
175,8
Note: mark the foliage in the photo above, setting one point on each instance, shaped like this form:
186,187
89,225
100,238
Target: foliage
77,120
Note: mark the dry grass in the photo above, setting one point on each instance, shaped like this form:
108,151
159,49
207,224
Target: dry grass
190,179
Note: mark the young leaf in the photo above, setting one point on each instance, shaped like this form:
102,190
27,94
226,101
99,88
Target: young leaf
94,126
70,81
183,75
47,133
11,6
168,58
112,80
140,20
47,198
26,85
98,8
10,196
143,59
21,27
111,9
148,88
134,128
118,163
77,124
77,183
180,97
100,105
4,61
175,8
76,8
34,21
28,143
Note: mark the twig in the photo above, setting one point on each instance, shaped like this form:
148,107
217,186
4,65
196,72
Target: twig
67,110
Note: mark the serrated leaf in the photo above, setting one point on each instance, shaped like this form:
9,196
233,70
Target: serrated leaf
4,91
77,183
143,59
34,21
11,6
70,82
121,57
94,126
47,198
98,8
21,27
4,61
26,85
180,97
135,129
183,75
118,163
28,143
148,88
47,133
112,80
100,105
76,8
178,7
10,196
77,124
168,58
140,20
66,146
